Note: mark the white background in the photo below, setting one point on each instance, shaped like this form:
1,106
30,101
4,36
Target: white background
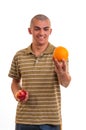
68,18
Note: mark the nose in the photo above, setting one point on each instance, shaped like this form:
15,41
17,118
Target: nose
41,32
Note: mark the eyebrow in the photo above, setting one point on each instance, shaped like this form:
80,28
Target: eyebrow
43,27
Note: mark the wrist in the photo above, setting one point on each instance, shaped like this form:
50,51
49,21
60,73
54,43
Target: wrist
64,78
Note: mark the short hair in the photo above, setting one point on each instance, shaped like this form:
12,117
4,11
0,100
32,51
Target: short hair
39,17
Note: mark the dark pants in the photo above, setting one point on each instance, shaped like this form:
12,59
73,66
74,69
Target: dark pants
36,127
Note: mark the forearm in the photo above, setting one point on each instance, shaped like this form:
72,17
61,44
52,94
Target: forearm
64,79
61,69
15,86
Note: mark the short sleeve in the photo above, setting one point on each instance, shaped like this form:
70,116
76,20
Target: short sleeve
14,71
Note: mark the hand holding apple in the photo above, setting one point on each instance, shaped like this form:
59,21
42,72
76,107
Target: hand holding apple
22,95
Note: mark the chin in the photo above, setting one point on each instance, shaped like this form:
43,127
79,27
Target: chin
41,43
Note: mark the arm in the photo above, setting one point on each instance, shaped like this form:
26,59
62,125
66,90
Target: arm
61,69
15,86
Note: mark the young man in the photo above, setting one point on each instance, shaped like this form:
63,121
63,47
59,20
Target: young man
40,76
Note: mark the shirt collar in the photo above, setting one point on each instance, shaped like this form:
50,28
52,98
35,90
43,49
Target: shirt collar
49,49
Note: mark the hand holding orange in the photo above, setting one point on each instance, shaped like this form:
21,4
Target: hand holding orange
60,53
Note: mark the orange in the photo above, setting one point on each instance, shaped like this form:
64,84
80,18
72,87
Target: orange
60,53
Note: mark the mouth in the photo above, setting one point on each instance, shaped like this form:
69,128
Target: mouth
41,38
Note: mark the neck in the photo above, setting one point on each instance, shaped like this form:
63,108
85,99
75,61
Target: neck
38,49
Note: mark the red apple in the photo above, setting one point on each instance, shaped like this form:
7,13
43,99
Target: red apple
21,94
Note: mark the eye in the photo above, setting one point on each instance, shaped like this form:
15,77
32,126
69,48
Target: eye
36,28
46,28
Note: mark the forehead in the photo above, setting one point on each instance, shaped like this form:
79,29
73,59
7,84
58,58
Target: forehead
41,23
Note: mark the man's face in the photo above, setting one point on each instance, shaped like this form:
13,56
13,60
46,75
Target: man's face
40,31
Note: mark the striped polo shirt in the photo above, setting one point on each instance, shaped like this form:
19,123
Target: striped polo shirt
40,80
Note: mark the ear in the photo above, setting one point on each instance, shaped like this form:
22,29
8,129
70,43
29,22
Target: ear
29,30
